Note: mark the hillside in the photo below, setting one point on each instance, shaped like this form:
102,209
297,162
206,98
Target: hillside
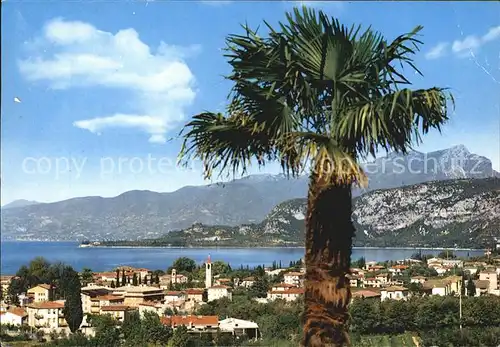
452,213
144,214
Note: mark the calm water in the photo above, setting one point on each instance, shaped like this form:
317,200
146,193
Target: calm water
15,254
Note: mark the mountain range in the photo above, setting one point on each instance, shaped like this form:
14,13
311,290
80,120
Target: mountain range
449,213
144,214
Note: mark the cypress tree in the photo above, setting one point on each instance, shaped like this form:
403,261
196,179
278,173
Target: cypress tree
117,277
124,278
73,312
134,279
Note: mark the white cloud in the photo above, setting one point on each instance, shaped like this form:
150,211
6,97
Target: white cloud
437,51
464,47
160,81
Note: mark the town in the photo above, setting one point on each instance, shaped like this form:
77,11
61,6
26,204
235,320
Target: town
179,295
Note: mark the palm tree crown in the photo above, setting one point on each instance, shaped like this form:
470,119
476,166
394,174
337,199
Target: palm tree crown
315,90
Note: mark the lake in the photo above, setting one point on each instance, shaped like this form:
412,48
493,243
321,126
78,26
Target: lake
14,254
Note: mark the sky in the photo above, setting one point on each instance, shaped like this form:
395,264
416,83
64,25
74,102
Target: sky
94,93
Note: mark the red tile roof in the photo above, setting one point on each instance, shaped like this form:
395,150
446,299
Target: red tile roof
17,311
116,308
284,285
365,294
46,305
173,293
288,291
188,320
195,291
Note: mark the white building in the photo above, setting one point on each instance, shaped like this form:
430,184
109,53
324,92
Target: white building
295,278
239,327
290,294
394,293
219,292
13,316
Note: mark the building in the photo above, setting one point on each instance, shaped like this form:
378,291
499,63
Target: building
223,282
353,280
118,312
455,284
290,294
194,324
365,294
174,278
418,279
174,296
46,314
219,292
394,293
239,327
5,283
41,292
135,295
382,278
13,316
247,282
492,277
194,294
282,286
295,278
398,269
99,302
156,307
89,293
482,287
439,287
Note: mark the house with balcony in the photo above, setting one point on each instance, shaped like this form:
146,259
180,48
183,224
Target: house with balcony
89,293
492,277
46,314
482,287
365,294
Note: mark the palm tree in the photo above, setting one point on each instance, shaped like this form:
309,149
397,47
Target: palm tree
321,97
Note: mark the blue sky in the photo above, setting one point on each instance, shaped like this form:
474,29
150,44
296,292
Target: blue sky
92,91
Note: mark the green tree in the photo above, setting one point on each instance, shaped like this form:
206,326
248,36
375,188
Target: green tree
317,94
183,264
117,277
106,332
360,263
124,278
157,279
87,276
471,288
180,338
113,285
259,287
155,331
134,280
73,312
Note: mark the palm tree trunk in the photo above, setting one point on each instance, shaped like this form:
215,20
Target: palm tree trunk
329,233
